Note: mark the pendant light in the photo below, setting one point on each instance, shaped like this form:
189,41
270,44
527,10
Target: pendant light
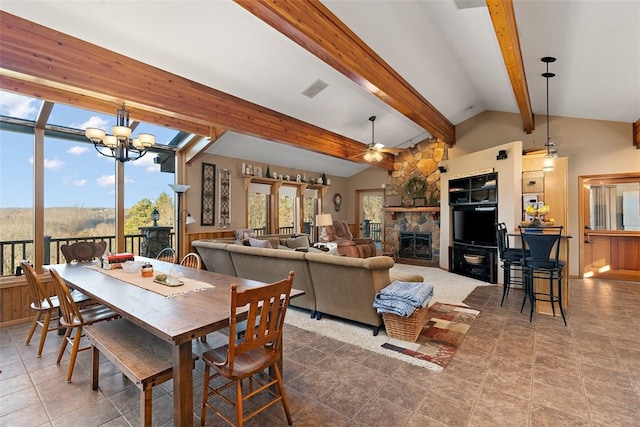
552,153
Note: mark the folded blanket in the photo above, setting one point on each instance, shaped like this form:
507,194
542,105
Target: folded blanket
413,293
398,307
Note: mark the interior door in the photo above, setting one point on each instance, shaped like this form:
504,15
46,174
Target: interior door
610,220
370,215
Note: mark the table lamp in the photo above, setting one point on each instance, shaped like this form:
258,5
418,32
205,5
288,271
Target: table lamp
323,220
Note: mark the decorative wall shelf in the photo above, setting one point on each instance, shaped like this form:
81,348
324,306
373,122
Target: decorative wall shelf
276,183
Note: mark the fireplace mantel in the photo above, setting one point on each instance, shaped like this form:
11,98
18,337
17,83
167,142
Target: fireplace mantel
435,210
420,209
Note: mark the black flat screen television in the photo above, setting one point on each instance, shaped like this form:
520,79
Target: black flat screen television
475,226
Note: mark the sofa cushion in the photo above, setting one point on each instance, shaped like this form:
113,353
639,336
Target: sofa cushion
259,243
403,276
298,242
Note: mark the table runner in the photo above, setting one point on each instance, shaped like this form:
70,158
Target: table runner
147,283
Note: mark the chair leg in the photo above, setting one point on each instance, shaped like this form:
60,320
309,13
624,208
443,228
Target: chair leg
507,281
45,331
74,352
560,297
63,346
239,420
283,394
36,319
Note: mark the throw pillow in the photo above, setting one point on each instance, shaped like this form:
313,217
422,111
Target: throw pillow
259,243
244,233
298,242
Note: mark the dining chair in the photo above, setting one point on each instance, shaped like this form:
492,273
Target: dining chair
167,255
542,262
192,260
258,349
44,305
74,318
83,251
511,259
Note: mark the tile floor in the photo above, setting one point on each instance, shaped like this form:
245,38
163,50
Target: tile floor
508,372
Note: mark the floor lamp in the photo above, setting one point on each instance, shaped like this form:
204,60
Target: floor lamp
180,189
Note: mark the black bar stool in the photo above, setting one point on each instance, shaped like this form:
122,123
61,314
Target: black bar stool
511,259
542,262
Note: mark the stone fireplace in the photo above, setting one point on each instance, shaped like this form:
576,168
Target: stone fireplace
413,236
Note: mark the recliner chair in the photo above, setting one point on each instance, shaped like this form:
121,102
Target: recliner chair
349,246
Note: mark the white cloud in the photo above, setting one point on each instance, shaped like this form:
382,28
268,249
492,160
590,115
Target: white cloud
77,150
106,180
80,182
147,163
53,164
15,105
93,122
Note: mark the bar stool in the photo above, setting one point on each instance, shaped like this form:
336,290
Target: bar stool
511,259
542,263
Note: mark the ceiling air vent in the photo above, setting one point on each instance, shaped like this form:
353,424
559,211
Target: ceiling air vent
317,87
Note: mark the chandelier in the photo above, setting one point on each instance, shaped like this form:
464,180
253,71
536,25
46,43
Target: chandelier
552,153
122,147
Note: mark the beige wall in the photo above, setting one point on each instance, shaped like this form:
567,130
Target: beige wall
592,146
193,173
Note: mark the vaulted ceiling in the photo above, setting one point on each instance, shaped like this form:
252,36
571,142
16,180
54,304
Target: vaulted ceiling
235,71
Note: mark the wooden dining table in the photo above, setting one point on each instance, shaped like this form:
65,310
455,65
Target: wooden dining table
178,319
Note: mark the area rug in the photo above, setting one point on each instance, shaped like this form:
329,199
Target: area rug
446,327
449,288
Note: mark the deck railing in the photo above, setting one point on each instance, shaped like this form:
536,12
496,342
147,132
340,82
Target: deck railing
14,251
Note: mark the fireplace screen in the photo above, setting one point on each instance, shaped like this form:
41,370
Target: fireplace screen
415,244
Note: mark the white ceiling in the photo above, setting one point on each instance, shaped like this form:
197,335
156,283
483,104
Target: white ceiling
450,55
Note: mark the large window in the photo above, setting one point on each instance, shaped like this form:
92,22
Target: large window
258,207
287,210
74,189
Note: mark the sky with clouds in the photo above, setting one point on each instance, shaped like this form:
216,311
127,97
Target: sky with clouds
75,173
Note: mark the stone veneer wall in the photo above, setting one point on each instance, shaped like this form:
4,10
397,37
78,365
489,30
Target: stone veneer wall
422,159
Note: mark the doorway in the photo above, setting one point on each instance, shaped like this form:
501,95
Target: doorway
370,216
610,225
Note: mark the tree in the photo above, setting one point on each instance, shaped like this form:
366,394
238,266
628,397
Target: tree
164,204
138,216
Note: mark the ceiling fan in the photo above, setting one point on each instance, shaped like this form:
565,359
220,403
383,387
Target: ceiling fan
373,152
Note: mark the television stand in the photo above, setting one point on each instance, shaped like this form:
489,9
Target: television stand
475,261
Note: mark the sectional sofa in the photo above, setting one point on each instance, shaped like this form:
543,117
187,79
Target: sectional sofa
335,285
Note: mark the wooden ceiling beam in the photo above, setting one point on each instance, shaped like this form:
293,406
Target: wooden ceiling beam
39,61
504,24
314,27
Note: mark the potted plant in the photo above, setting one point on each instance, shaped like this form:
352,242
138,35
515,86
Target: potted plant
415,187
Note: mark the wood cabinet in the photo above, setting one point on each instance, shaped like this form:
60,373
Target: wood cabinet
474,190
551,187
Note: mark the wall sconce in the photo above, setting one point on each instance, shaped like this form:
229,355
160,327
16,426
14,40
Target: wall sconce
155,216
189,219
442,169
502,154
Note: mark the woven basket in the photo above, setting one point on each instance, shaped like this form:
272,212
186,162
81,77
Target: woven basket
405,328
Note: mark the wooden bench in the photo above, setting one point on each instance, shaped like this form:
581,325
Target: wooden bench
144,358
